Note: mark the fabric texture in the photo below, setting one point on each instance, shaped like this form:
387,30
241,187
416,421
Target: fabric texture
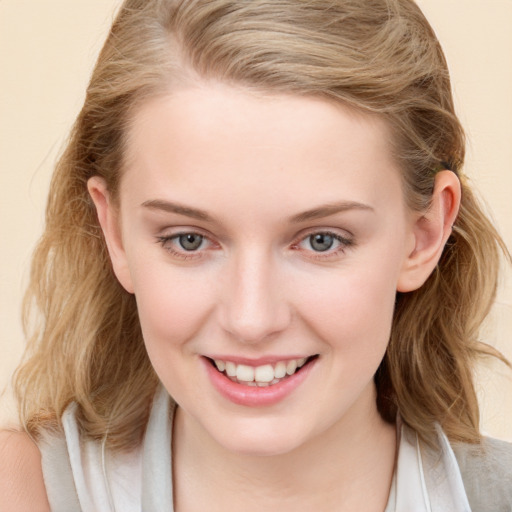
58,475
81,477
486,470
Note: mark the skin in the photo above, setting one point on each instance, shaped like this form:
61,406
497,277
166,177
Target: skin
21,476
240,169
257,288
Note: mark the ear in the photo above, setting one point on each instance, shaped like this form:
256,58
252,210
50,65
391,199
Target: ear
431,230
108,217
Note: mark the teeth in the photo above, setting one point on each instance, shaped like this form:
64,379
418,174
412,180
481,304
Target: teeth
280,370
291,366
231,369
264,373
261,376
245,373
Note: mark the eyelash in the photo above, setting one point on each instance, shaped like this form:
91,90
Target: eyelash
344,244
167,243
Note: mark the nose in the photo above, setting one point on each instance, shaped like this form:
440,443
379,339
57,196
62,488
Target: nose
253,305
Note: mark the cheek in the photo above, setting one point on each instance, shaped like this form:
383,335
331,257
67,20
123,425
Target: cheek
172,306
353,309
352,313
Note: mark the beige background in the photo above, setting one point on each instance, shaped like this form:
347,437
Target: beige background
47,50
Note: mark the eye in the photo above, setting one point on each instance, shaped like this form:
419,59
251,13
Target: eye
321,242
189,241
186,245
324,243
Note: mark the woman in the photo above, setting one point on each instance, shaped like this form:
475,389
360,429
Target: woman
261,213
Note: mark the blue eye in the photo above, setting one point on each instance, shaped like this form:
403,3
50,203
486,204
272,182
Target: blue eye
324,244
321,242
185,245
190,241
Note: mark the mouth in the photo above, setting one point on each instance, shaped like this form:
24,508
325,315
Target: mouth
266,375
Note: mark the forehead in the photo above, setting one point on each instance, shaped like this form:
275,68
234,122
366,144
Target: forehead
220,139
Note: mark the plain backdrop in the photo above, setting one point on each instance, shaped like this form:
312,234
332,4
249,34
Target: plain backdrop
47,50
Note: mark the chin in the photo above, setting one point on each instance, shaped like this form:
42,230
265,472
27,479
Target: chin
260,440
262,446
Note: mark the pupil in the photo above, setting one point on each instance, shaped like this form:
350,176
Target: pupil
190,242
321,242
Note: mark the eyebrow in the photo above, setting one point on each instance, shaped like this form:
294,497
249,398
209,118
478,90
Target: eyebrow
318,212
170,207
329,209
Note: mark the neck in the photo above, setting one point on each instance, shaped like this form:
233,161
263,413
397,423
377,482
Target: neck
349,466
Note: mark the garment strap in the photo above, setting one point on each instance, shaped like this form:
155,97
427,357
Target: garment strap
442,477
58,475
426,479
157,493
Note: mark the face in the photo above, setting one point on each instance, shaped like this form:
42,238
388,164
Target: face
264,238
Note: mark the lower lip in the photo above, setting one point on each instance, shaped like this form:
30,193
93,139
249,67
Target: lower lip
254,396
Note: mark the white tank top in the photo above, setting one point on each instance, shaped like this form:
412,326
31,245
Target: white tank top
84,477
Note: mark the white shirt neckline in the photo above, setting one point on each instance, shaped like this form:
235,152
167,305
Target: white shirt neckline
425,480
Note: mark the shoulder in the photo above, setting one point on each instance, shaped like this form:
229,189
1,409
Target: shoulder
486,470
21,476
492,455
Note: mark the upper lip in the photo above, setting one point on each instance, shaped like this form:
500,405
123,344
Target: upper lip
260,361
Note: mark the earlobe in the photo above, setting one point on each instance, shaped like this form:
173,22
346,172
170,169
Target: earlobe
108,217
431,231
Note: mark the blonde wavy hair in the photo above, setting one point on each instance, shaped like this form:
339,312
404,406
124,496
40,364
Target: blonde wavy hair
378,56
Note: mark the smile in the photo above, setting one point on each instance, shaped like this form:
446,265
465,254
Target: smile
261,385
260,376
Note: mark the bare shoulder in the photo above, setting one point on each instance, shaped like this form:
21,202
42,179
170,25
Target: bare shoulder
21,475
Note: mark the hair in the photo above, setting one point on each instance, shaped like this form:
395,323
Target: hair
377,56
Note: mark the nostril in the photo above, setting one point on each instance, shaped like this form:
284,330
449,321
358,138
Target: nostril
253,306
257,326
